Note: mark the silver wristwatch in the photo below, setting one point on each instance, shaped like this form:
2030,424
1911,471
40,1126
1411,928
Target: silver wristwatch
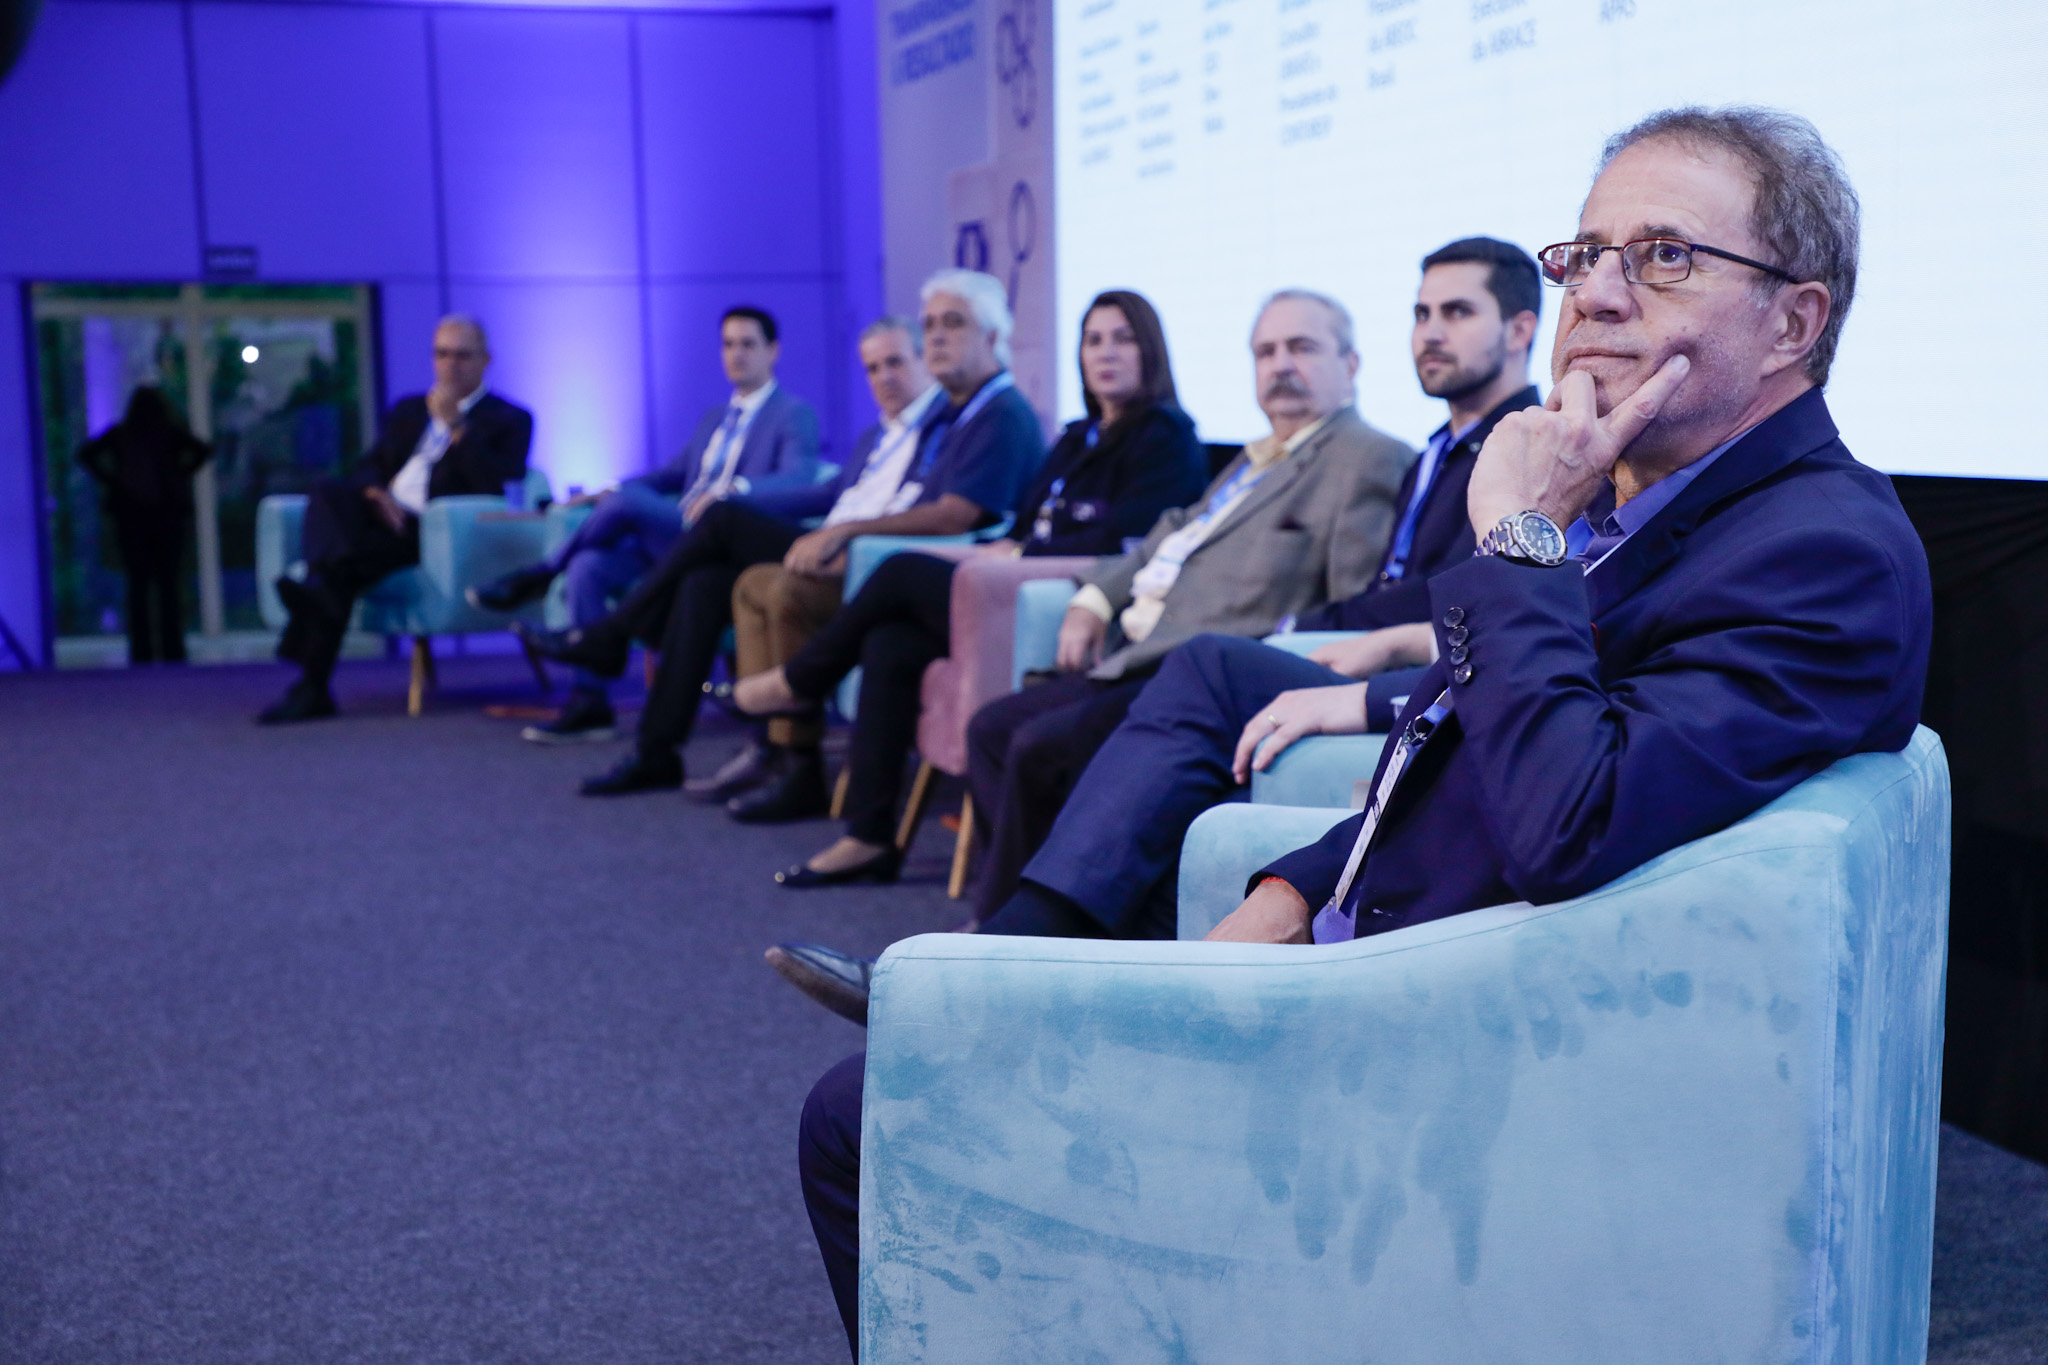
1526,535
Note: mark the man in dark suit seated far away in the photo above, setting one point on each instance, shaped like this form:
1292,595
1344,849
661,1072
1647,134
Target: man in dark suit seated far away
458,437
1738,603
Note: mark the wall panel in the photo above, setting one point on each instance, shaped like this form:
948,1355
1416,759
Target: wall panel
570,354
407,311
95,147
688,377
735,160
315,129
598,238
537,144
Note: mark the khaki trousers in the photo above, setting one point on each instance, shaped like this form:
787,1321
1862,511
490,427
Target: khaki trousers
774,612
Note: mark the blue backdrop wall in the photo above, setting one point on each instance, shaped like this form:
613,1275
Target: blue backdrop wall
595,184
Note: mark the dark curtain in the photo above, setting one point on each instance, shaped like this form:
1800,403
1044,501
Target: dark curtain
1987,697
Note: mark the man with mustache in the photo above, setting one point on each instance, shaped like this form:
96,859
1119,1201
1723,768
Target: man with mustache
1108,865
1302,516
1688,596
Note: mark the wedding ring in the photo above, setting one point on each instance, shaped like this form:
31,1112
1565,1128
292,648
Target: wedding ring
1273,720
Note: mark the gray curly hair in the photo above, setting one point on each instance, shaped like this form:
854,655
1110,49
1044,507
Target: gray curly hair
1805,210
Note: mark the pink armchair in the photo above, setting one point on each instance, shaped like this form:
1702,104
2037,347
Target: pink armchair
976,673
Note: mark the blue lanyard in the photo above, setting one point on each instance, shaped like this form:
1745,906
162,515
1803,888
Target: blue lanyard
1041,529
941,430
1337,920
1403,544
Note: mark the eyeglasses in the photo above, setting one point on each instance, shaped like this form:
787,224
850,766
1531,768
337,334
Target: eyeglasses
1648,260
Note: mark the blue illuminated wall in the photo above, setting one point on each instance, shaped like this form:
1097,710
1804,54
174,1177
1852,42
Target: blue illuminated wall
596,184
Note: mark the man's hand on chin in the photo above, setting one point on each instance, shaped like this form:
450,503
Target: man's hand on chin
1273,913
444,406
1553,459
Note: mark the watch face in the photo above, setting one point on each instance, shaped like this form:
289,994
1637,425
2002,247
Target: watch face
1541,537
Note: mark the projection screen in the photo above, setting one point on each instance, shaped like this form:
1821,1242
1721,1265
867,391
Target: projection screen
1210,151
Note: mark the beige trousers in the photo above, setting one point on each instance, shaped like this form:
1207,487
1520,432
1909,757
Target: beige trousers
774,612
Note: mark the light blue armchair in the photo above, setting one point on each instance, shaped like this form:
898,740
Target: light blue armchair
464,541
864,554
1691,1116
1313,772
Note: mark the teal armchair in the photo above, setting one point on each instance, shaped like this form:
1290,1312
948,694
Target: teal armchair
1691,1116
464,541
865,553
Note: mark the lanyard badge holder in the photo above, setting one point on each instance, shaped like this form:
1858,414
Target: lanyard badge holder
1041,528
1333,924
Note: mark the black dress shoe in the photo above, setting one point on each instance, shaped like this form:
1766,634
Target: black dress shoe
835,980
795,790
514,590
884,868
302,702
744,771
637,772
601,651
586,719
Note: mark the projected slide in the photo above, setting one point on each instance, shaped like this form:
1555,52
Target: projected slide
1209,151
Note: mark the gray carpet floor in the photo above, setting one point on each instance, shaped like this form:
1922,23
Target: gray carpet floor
369,1041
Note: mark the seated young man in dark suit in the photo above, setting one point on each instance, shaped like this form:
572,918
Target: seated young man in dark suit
458,437
1737,604
761,445
1106,864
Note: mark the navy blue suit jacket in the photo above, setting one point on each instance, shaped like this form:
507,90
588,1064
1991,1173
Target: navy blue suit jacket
1443,537
780,451
1773,619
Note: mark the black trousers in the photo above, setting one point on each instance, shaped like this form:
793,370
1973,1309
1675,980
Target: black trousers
1025,752
152,544
892,629
828,1151
683,606
349,548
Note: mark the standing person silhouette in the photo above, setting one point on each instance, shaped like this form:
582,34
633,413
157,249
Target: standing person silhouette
144,464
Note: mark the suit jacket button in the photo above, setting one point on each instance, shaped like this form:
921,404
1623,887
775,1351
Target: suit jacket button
1455,617
1459,654
1462,673
1458,635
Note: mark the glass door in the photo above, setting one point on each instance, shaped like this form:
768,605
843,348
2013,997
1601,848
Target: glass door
279,379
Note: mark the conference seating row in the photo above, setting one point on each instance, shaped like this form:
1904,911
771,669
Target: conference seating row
1724,1066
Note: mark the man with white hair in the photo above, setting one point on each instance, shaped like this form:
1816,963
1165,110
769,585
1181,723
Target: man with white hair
962,466
972,460
458,437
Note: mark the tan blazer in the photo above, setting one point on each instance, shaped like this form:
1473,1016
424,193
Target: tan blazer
1313,530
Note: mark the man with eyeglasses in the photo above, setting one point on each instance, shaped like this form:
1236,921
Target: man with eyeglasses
1687,596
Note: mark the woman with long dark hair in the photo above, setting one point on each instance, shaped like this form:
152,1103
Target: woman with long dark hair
1109,476
144,464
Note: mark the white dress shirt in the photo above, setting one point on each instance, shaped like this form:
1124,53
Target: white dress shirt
1156,579
409,487
873,493
718,474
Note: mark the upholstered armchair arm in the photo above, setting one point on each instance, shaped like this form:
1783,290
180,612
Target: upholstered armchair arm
1227,844
985,619
1689,1116
1041,606
865,553
280,521
465,541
